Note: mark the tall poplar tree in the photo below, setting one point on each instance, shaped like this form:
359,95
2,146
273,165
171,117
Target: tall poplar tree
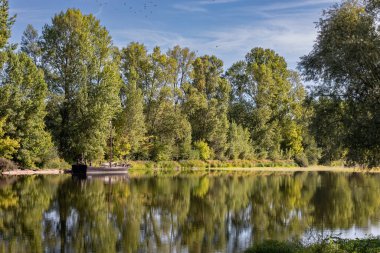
206,103
130,126
267,102
6,22
30,43
156,75
83,79
22,104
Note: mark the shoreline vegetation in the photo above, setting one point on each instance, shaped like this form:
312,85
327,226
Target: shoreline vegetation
197,166
329,245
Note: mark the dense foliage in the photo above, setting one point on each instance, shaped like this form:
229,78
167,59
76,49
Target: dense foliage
70,93
345,61
22,109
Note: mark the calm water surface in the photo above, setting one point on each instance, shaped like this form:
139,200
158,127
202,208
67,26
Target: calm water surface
186,213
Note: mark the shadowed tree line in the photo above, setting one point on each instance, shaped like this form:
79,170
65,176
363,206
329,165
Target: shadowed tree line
67,88
169,214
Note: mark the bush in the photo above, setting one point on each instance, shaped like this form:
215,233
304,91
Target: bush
6,165
203,149
161,152
215,164
194,155
336,245
142,165
275,247
168,165
56,163
301,160
193,164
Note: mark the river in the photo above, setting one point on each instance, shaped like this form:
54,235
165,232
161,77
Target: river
184,213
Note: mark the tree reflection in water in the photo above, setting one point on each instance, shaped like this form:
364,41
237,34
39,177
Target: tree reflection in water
183,213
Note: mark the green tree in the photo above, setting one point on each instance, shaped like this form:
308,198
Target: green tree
84,82
5,23
203,149
22,102
267,99
8,146
135,66
30,43
327,128
206,103
239,142
344,62
184,59
131,123
151,73
171,129
157,75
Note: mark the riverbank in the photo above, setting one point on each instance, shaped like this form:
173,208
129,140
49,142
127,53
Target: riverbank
302,169
149,168
248,171
19,172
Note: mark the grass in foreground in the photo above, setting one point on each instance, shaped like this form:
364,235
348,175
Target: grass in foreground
369,245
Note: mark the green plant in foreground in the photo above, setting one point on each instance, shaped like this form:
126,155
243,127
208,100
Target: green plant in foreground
369,245
275,247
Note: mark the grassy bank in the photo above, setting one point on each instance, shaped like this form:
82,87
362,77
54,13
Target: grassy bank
192,166
210,164
56,163
369,245
242,166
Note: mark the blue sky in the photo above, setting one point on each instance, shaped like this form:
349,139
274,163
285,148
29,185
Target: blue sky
225,28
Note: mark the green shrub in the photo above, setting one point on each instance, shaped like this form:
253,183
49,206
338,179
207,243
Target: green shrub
246,163
275,247
260,165
6,165
194,155
301,160
313,155
56,163
168,165
337,163
369,245
193,164
203,149
239,142
161,152
142,165
215,164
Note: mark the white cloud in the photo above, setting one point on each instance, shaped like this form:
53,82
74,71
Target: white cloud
290,38
298,4
200,6
189,7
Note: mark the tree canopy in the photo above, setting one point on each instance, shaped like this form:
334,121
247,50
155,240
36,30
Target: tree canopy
345,61
84,82
6,22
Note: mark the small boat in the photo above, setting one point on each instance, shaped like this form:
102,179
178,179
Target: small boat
84,170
